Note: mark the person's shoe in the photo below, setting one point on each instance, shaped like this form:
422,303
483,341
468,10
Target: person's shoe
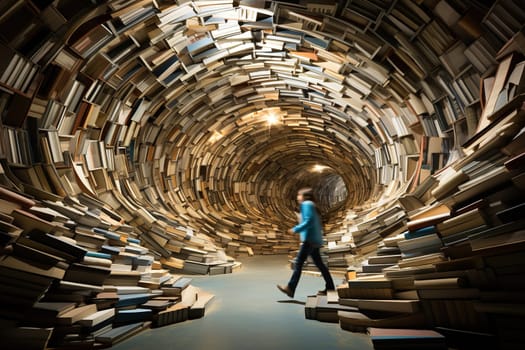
323,292
286,290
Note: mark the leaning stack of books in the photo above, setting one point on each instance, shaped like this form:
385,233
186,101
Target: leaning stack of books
76,277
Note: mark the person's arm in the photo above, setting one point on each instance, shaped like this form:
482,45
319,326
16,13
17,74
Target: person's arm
307,212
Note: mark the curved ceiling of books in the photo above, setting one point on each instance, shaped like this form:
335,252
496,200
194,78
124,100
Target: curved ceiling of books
216,113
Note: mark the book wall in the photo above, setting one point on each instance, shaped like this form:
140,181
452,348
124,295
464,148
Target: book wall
18,152
119,55
18,83
185,119
18,72
80,120
444,266
207,182
130,41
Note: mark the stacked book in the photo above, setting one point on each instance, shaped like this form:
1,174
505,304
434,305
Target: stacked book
456,268
77,277
339,250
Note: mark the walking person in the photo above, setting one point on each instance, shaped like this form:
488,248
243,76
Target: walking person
311,235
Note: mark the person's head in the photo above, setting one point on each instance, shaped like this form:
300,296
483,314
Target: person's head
305,194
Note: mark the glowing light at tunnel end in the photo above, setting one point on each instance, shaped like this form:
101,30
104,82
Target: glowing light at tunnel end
318,168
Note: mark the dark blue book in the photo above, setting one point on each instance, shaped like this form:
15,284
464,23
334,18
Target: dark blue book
110,249
420,232
317,41
133,240
133,299
106,233
98,255
173,76
161,68
131,72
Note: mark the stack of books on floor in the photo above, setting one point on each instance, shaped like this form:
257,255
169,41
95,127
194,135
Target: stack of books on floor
259,240
182,248
366,305
76,277
373,227
339,250
325,308
391,338
457,270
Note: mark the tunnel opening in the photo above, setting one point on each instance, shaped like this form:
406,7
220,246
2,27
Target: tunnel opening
249,166
330,190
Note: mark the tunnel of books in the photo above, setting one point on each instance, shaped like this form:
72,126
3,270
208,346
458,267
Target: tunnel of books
146,139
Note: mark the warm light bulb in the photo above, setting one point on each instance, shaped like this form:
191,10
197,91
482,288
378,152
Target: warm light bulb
272,119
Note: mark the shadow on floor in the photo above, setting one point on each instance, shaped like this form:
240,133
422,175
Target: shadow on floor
291,302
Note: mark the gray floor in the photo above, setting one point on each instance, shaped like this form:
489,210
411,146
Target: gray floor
248,312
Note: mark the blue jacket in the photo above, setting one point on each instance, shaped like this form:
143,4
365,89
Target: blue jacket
310,228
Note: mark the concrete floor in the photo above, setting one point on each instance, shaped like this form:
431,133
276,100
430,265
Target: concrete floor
248,312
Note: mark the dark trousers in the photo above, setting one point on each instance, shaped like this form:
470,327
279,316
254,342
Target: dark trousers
305,250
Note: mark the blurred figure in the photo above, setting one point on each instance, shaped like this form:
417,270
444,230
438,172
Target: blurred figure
311,234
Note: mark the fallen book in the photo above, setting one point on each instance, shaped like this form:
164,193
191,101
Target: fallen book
393,338
358,322
118,334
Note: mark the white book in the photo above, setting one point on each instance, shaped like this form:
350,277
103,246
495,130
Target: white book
285,39
10,67
15,71
175,13
22,76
